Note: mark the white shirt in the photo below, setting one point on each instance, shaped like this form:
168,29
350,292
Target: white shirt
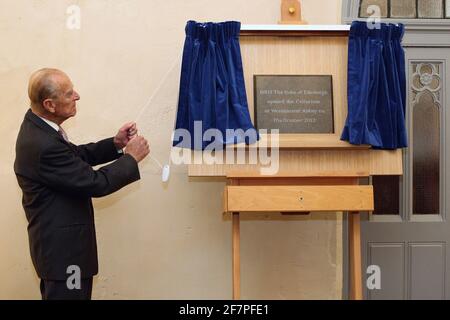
51,124
56,127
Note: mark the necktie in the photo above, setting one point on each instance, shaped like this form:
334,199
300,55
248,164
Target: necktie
63,134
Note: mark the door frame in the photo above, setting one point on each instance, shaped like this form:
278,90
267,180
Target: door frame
421,33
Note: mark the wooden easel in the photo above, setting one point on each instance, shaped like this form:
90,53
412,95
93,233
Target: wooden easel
245,194
318,172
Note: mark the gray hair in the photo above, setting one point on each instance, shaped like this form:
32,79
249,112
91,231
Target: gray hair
42,85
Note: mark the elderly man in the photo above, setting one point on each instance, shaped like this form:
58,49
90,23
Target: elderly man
58,182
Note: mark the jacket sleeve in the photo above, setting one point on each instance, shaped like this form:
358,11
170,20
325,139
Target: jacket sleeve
62,169
98,153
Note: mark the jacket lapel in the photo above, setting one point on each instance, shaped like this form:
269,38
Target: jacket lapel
44,126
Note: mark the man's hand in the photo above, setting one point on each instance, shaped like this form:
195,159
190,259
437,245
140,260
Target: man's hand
138,148
125,134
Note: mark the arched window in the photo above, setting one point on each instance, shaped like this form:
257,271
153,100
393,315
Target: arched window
426,128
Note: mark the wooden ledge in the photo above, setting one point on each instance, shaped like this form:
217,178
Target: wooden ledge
237,174
298,198
295,30
303,141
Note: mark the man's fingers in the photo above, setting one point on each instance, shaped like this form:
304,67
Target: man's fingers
128,126
133,137
133,127
132,130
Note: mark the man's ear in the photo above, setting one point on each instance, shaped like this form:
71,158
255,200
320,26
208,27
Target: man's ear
48,105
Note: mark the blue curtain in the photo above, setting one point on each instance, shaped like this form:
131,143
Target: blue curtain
212,87
376,87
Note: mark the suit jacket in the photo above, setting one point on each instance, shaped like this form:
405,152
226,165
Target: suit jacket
58,182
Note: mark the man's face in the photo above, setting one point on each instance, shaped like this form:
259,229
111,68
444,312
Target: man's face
65,103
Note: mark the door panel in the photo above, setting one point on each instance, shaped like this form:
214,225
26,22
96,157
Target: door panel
408,236
427,270
390,257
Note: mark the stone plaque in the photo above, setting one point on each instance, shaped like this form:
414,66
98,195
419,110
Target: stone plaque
294,103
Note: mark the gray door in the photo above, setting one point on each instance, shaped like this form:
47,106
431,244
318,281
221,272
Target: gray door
408,236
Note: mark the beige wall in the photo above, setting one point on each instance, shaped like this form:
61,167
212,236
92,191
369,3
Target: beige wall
154,242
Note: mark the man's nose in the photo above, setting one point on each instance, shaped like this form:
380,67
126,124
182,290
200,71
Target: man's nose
77,96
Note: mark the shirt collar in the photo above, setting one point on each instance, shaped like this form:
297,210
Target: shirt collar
50,123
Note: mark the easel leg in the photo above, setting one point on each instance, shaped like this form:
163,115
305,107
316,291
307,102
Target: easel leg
236,257
356,292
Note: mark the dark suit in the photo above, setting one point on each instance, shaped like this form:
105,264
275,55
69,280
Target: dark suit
58,182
